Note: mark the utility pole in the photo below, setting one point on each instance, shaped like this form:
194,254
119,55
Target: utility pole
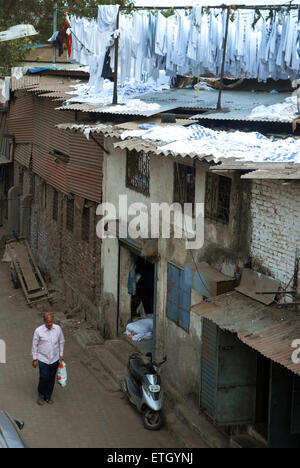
224,58
54,29
116,66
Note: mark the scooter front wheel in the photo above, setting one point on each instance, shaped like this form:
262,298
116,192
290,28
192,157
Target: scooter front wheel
152,420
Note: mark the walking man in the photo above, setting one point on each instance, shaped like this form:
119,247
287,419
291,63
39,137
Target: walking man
47,350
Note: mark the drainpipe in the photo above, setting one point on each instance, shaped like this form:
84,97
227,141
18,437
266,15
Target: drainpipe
54,29
118,293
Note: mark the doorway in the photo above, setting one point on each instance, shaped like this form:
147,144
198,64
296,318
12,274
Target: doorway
142,301
137,298
262,395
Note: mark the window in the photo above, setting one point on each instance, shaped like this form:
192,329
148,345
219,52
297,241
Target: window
70,215
184,184
138,172
217,198
178,298
85,224
55,205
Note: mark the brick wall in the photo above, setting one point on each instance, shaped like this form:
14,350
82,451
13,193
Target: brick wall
73,264
70,261
275,212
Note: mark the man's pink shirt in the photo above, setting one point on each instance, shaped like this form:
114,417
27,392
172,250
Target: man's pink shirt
48,345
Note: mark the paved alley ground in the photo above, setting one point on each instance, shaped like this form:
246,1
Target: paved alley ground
85,414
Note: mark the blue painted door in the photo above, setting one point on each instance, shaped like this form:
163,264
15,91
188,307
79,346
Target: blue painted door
178,297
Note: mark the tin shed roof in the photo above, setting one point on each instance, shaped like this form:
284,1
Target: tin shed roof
270,330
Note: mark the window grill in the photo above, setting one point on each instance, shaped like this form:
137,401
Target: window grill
217,198
138,172
184,184
70,215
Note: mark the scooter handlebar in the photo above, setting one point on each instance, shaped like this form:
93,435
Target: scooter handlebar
160,363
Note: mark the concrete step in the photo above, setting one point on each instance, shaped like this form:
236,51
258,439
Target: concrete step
183,434
245,441
198,423
88,338
110,362
121,349
102,376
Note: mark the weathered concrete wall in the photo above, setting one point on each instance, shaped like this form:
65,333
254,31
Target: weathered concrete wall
275,227
225,247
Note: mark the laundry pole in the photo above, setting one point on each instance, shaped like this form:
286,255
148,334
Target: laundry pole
54,30
224,58
116,66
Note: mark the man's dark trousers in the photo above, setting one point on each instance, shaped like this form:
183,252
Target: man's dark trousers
47,379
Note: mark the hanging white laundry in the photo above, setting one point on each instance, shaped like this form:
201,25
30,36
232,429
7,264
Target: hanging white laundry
188,42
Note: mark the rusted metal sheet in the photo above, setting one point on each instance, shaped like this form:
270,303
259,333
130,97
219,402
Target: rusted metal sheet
83,152
85,182
45,131
275,343
20,120
4,142
26,81
270,330
56,173
23,154
53,171
38,162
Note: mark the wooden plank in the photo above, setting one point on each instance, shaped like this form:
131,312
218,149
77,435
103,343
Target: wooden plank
26,268
35,266
37,294
27,271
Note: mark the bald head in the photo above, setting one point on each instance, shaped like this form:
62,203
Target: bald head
48,320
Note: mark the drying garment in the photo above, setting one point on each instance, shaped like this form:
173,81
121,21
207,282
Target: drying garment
189,42
107,17
91,41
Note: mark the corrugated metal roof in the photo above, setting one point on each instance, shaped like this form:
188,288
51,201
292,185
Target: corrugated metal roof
149,146
270,330
292,174
239,103
109,109
97,128
236,105
270,167
240,115
58,85
24,82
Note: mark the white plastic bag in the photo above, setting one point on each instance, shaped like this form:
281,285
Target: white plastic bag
62,374
140,326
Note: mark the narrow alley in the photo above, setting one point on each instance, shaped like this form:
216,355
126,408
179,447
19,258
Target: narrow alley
85,414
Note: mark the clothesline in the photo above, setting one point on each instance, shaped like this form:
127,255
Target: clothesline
259,47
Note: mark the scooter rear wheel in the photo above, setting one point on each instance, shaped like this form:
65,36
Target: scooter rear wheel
152,420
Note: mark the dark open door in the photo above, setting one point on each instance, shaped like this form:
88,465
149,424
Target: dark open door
236,389
280,409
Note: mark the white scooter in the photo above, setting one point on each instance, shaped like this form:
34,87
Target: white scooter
142,385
